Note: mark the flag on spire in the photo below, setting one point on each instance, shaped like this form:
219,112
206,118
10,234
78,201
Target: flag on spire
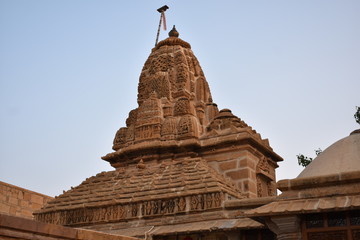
163,20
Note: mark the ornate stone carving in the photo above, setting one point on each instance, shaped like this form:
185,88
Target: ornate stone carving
132,117
160,84
130,133
224,123
167,110
270,188
172,41
171,72
146,208
179,58
263,165
181,204
209,198
166,206
205,201
259,186
187,127
265,186
182,107
197,202
182,76
200,112
201,93
83,215
120,138
147,132
149,109
134,210
121,212
218,198
168,128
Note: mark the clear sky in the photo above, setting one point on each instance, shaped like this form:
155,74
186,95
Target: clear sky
69,72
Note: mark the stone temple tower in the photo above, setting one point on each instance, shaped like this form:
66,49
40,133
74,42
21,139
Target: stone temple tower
177,160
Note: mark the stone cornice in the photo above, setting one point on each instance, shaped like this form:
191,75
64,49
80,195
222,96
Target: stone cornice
321,181
191,146
172,41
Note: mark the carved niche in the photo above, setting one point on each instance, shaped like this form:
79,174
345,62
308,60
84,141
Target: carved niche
148,124
168,128
206,201
132,117
120,138
167,110
182,76
182,107
187,127
225,120
159,83
264,178
201,90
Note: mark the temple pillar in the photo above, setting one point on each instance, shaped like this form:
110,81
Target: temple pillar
285,227
232,235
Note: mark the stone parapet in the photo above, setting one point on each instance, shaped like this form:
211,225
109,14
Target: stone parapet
320,181
314,187
12,227
21,202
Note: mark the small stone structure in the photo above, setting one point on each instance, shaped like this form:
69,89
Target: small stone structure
323,202
12,228
20,202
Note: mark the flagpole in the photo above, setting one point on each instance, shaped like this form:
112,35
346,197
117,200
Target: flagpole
158,31
161,11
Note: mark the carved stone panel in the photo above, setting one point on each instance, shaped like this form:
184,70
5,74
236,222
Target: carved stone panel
120,138
182,107
181,204
147,132
131,120
205,201
83,215
168,128
120,212
160,84
187,127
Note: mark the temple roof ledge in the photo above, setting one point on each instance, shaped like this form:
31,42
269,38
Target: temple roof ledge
248,202
319,181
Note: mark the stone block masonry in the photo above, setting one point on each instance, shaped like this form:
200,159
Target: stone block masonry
20,202
14,228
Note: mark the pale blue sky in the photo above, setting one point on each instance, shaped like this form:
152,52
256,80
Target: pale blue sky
69,72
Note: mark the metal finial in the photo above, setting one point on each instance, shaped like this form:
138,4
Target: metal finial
173,32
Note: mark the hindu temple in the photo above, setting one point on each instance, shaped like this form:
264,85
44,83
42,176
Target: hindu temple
185,170
177,161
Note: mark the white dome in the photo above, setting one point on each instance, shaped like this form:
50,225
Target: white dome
342,156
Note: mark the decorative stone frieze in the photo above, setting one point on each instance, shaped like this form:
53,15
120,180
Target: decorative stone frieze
122,212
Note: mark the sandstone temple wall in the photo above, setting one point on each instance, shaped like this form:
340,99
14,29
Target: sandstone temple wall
20,202
251,171
15,228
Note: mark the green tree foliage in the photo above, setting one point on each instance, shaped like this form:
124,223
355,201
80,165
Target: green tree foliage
357,115
304,161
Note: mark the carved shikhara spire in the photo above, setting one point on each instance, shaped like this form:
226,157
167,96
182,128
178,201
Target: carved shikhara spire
173,96
175,107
